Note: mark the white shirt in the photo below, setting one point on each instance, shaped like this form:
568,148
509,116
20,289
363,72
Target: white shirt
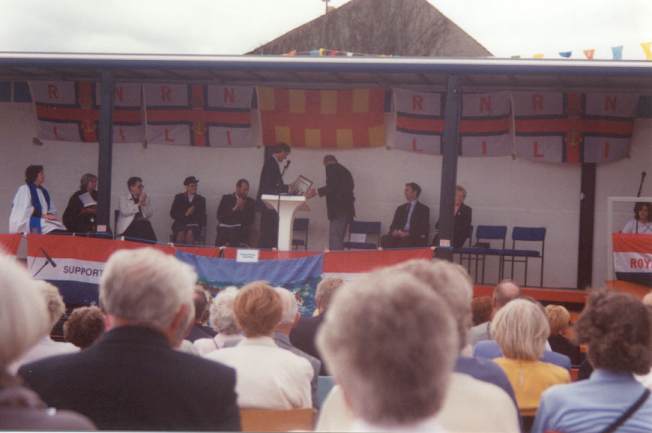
44,349
267,377
128,210
471,405
22,210
207,345
428,425
635,226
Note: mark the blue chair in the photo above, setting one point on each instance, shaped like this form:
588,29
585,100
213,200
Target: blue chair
300,225
516,255
367,228
324,386
482,248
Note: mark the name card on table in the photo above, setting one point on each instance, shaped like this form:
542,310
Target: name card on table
247,256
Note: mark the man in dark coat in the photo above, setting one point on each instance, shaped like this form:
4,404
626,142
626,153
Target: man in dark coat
79,216
411,223
132,378
189,213
235,216
339,201
271,182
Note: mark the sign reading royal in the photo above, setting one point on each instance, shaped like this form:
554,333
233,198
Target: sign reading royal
633,257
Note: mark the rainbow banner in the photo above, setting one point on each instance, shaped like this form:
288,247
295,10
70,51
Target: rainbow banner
323,119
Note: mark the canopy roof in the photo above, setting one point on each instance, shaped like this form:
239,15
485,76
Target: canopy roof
490,74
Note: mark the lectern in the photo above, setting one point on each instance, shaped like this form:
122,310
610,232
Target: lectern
286,206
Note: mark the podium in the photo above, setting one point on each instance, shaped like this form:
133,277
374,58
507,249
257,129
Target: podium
286,206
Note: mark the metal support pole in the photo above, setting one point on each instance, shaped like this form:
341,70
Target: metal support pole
450,151
105,158
586,223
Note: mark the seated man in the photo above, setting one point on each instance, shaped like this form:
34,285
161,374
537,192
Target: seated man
235,216
410,225
132,378
189,213
135,212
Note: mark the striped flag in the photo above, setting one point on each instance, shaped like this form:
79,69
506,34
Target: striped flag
573,127
419,121
199,115
323,119
632,255
70,111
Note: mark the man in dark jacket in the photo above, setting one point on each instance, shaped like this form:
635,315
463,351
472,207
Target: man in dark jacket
189,213
132,378
339,201
235,215
411,222
271,182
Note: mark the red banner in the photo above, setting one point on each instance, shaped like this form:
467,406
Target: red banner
10,243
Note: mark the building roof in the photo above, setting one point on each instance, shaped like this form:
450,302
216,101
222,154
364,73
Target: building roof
381,27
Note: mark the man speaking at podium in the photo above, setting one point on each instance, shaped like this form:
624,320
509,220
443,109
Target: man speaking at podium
271,182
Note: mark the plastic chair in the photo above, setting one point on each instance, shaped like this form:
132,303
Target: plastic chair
366,228
256,420
300,225
516,255
482,248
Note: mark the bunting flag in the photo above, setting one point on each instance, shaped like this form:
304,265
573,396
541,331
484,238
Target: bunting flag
589,53
419,121
485,127
617,52
647,50
573,127
199,115
70,111
9,243
538,56
342,119
566,54
632,254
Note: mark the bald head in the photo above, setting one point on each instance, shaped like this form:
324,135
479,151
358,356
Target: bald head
504,292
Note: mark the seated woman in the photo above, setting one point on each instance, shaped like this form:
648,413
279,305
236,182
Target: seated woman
559,321
24,321
79,216
521,330
641,223
617,329
33,210
268,377
189,213
222,320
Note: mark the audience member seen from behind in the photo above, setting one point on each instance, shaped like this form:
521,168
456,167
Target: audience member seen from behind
199,330
33,209
521,330
289,319
398,383
79,216
505,291
617,329
132,378
189,213
474,401
222,320
47,347
559,320
84,326
641,223
24,320
481,308
135,212
303,335
268,377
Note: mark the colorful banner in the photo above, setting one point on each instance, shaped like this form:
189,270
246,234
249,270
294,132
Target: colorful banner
633,257
70,111
573,127
9,243
322,119
419,121
199,115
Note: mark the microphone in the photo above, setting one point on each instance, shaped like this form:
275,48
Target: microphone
287,164
48,258
640,185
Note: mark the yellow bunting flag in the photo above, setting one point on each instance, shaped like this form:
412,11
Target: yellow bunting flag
538,56
647,49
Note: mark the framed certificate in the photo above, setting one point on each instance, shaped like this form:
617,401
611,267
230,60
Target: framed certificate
302,185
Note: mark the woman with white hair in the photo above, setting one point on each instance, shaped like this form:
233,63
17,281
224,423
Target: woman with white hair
268,377
24,320
521,330
222,320
47,346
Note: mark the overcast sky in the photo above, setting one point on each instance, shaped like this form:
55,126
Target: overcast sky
505,27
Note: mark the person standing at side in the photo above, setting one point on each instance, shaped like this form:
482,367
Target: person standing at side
271,182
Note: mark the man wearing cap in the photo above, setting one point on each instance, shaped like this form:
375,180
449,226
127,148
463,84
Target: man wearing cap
189,213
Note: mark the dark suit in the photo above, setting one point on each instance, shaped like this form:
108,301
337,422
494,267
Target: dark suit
73,218
419,227
180,206
132,380
303,336
339,203
461,229
233,236
199,331
271,182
